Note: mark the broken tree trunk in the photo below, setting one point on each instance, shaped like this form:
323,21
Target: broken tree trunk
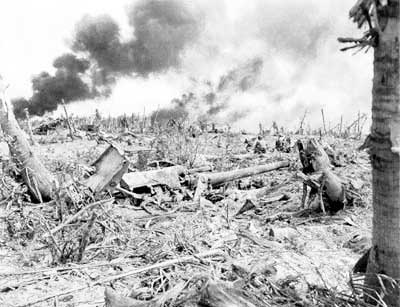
71,132
385,157
341,126
328,185
200,169
334,187
313,156
301,130
323,120
216,179
40,182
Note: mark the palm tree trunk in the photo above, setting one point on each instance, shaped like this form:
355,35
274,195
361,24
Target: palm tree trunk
384,154
39,180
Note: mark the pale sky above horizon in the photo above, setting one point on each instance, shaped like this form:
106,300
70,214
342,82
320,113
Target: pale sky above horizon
34,33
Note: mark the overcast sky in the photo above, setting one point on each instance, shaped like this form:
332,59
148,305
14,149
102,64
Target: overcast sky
33,33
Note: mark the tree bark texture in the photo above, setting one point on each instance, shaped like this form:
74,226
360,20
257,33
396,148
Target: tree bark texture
39,180
384,154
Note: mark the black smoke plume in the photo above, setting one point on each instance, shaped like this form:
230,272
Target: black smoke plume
99,39
19,106
65,85
161,30
50,90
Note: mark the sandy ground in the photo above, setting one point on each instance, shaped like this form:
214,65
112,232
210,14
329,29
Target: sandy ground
314,250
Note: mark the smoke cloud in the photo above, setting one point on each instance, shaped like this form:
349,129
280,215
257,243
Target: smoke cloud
245,62
302,69
161,30
213,99
50,90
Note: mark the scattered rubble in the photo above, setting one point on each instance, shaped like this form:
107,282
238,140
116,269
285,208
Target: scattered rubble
179,218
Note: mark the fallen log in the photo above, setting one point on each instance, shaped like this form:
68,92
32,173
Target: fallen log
40,182
200,169
216,179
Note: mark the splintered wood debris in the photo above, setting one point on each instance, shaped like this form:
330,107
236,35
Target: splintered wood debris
165,218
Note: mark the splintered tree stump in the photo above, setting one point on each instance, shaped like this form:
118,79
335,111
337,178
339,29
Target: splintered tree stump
304,158
313,157
330,191
334,187
40,182
315,160
317,154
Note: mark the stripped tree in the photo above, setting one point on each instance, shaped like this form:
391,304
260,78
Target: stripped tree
40,182
382,18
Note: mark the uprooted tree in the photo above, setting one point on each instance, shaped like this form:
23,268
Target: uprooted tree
382,18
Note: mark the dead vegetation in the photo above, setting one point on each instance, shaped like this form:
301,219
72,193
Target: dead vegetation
150,214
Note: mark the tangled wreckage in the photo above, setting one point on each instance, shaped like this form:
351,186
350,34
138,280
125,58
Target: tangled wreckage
131,218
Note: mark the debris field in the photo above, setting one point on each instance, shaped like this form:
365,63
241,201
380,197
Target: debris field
173,217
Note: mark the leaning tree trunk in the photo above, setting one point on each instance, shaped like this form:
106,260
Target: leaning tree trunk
384,153
39,180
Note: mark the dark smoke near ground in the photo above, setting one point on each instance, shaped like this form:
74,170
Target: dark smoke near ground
161,30
50,90
19,105
65,85
242,78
